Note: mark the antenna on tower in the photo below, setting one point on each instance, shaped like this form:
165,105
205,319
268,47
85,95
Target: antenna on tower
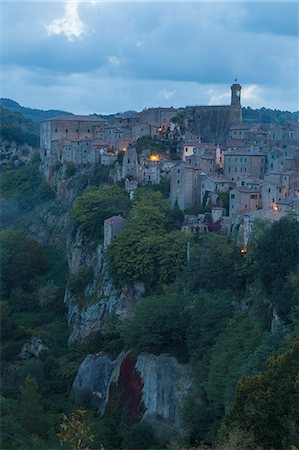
236,80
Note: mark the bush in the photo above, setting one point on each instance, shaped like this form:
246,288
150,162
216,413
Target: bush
140,436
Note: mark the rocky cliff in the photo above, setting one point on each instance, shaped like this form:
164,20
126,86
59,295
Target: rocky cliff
87,314
152,388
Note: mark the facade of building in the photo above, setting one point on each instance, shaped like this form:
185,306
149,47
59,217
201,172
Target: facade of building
185,186
244,163
112,227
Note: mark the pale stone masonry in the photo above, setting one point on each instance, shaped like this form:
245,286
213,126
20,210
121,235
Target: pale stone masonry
240,163
113,226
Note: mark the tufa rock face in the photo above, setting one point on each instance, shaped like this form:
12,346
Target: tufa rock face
152,389
91,383
166,385
101,296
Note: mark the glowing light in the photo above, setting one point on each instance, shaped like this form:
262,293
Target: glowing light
124,149
154,157
275,207
243,250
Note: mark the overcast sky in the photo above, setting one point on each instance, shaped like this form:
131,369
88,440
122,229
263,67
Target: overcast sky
104,56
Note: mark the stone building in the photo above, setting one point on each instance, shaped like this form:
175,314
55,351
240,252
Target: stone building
130,166
212,123
244,163
160,117
244,199
64,130
185,186
212,185
112,227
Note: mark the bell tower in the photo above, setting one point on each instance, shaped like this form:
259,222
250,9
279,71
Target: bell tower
236,94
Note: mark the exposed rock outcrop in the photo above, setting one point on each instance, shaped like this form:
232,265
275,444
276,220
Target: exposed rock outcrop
152,388
166,384
101,297
91,384
32,349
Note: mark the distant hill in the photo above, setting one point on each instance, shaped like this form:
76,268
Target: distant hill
14,127
37,115
266,115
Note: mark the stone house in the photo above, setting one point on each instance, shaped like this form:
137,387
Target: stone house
244,163
112,227
212,185
244,199
64,130
272,193
185,186
160,117
217,213
130,166
195,224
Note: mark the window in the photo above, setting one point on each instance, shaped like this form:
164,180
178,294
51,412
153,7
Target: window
179,170
88,130
56,130
253,196
269,190
232,195
128,161
77,130
246,206
66,130
178,181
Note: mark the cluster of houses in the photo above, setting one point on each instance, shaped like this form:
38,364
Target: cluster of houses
234,171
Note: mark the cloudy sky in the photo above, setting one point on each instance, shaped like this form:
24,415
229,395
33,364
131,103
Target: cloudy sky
105,56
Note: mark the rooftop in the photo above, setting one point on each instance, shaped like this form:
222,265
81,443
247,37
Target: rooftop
114,219
75,118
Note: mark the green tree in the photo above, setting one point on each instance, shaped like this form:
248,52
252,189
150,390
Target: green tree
277,252
95,205
267,404
22,259
146,251
211,264
31,411
158,325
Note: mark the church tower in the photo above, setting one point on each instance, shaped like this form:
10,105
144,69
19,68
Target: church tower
236,94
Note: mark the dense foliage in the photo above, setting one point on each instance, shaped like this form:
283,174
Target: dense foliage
94,206
24,188
15,128
266,115
151,249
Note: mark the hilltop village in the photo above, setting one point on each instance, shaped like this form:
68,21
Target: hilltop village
223,173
